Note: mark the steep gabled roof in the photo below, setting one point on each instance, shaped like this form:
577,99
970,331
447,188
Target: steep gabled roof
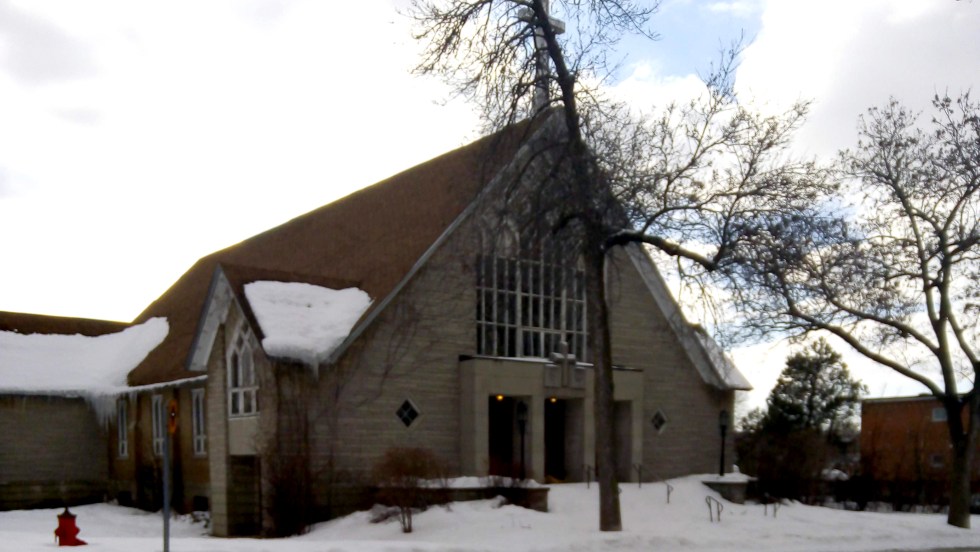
373,237
26,323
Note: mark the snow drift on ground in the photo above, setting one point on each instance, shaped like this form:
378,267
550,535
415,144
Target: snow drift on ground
302,321
75,364
649,524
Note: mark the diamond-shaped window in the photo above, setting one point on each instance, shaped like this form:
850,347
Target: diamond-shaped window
659,421
407,413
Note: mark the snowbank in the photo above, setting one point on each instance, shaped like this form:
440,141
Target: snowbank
56,364
304,322
649,523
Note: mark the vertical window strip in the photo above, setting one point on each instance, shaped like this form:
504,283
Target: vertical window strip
158,420
526,307
198,428
122,428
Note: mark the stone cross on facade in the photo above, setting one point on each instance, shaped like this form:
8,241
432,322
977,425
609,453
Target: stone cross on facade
565,369
542,61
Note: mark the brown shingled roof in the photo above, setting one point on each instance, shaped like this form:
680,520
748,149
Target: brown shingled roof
373,237
26,323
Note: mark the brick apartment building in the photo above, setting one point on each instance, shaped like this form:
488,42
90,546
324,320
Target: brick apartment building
905,449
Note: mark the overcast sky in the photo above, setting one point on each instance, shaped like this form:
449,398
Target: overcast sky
136,137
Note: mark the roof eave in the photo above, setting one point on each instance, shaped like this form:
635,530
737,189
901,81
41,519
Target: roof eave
714,367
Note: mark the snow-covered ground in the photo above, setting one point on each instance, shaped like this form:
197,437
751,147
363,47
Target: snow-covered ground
650,524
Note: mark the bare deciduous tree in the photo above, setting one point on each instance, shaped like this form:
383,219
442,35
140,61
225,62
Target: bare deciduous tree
897,276
692,183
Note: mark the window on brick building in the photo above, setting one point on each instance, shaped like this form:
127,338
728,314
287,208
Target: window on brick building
939,414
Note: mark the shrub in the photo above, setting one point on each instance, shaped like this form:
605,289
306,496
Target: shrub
403,475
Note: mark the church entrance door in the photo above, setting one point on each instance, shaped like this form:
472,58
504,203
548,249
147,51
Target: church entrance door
564,446
503,435
554,440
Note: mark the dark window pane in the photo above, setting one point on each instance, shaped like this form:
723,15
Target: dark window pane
233,377
501,336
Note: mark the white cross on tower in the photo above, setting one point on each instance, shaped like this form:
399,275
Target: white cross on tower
542,60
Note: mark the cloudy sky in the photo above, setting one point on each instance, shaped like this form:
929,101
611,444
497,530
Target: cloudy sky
136,137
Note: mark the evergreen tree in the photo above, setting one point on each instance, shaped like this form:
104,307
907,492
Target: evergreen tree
790,443
815,391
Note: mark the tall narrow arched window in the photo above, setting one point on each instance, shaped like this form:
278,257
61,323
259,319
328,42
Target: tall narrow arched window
198,426
242,384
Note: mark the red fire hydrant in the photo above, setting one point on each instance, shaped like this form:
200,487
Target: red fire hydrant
67,532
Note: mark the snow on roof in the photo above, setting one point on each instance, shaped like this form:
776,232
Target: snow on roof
75,364
304,322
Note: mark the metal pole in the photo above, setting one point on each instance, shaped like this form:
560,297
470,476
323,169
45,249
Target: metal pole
723,420
523,471
166,492
721,463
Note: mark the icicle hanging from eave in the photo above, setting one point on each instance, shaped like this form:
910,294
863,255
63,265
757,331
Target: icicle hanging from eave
103,402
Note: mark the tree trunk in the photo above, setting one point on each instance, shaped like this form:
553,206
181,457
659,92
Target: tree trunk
959,486
605,454
962,440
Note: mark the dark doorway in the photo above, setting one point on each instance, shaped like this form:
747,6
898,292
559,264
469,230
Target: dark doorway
554,440
244,498
623,440
502,436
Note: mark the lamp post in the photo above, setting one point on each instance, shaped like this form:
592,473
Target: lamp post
723,421
522,427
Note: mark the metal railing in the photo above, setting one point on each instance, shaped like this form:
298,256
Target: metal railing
715,507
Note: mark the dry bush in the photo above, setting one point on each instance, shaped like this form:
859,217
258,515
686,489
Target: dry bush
404,476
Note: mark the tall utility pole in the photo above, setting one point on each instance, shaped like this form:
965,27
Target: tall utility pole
167,445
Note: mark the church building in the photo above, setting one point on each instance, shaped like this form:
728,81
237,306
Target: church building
407,314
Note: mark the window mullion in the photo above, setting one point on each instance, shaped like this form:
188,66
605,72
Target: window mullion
494,295
481,287
518,308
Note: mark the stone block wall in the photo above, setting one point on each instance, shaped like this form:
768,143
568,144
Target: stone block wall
643,339
54,452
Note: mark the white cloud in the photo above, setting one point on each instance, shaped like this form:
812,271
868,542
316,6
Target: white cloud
738,8
201,124
648,89
35,51
847,56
